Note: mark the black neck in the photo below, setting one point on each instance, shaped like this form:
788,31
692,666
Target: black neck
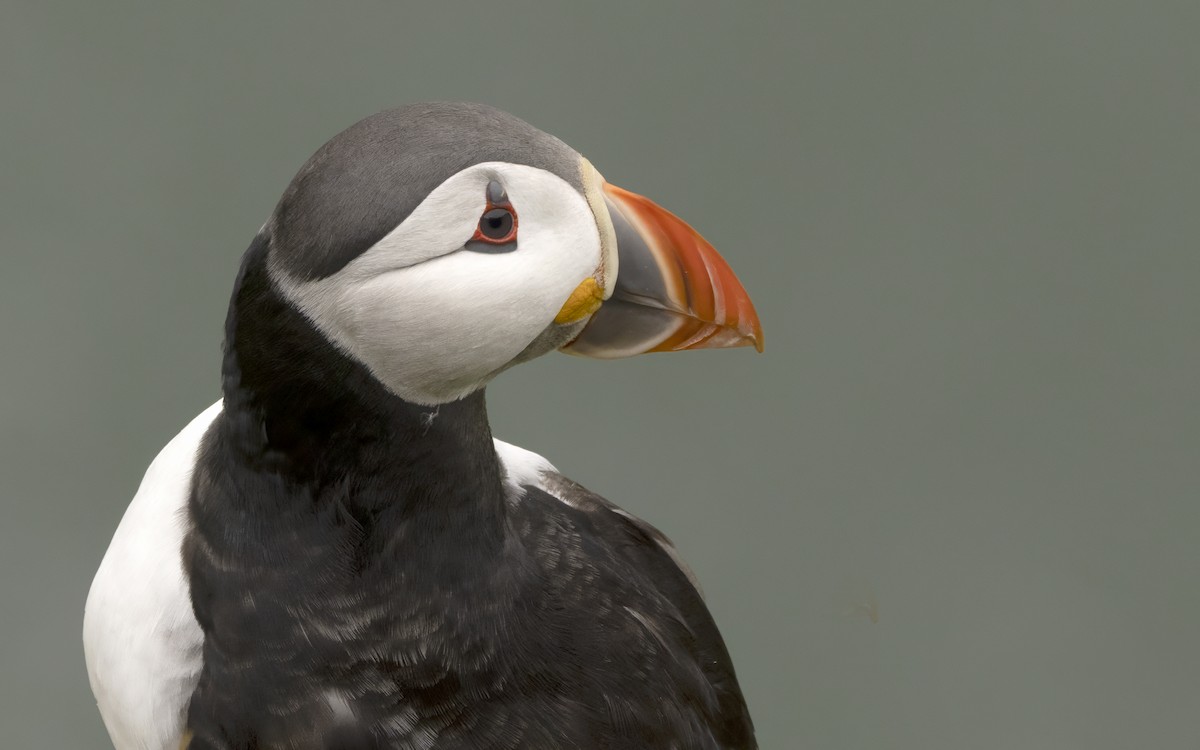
297,407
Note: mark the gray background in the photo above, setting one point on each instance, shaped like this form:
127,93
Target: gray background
970,231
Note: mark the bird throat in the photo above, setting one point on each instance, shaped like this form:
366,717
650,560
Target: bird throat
320,499
297,406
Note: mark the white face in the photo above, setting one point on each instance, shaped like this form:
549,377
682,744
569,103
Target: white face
433,319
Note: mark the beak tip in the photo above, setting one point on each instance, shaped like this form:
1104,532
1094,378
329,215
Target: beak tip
749,327
754,338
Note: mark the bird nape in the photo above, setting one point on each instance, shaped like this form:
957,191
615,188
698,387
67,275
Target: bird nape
338,553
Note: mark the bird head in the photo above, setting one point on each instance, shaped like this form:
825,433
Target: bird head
439,244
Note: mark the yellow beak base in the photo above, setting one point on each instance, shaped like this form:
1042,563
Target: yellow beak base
584,301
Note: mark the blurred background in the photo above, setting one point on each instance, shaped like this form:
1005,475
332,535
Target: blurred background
957,501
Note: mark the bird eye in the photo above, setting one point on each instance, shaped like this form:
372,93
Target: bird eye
497,230
497,224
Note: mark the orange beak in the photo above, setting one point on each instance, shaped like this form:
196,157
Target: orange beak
672,292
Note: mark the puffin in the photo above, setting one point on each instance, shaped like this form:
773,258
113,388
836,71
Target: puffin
337,554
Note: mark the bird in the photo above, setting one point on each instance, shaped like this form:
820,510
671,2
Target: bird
338,554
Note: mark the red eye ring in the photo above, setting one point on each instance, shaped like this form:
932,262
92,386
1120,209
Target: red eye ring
497,226
498,223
